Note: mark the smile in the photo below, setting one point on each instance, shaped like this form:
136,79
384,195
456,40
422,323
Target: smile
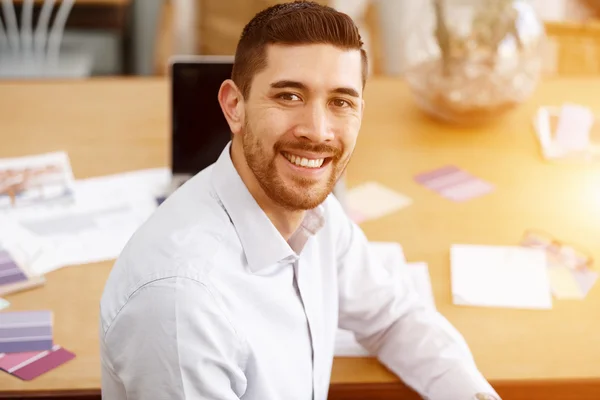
303,161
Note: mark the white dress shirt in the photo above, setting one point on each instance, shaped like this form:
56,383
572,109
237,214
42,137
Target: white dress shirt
208,301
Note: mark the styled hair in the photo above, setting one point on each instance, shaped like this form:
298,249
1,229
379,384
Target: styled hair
293,23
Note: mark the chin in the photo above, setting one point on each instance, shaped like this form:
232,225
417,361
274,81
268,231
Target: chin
302,198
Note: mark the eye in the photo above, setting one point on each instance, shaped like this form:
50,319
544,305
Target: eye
288,97
341,103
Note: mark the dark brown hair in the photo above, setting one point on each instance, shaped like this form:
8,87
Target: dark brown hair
293,23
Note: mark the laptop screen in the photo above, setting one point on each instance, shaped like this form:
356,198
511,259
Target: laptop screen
199,129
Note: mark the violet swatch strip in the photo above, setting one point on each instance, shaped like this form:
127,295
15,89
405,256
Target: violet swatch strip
30,365
454,183
10,272
24,331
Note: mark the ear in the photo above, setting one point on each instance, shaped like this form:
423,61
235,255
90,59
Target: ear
232,104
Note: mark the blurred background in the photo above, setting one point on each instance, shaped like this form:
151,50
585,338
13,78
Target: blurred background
136,37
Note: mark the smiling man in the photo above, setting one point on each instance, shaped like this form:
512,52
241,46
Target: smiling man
235,287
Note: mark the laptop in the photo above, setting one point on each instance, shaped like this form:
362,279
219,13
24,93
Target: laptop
199,130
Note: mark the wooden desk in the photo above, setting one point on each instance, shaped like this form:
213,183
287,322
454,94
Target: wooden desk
113,125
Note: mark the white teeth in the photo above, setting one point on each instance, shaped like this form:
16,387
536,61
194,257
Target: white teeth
304,162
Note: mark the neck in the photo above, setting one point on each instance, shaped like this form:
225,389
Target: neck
284,220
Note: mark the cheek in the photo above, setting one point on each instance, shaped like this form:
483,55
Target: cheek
270,125
348,135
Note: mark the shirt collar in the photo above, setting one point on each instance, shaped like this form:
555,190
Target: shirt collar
261,241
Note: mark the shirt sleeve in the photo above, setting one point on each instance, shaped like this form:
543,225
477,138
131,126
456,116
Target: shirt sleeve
172,341
387,317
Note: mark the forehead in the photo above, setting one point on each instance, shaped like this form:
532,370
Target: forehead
318,66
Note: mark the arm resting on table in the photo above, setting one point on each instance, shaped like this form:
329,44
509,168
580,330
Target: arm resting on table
417,343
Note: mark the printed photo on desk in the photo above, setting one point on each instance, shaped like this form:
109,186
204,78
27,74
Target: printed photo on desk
35,180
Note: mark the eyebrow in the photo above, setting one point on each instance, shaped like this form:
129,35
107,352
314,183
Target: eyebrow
347,91
299,85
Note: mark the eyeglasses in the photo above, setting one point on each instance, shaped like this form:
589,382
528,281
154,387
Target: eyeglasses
558,252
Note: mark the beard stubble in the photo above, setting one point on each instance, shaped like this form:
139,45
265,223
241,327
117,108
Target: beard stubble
303,193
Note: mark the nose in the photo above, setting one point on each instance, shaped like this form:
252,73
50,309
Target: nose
315,125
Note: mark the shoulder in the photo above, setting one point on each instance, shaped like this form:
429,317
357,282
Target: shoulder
181,241
168,324
175,299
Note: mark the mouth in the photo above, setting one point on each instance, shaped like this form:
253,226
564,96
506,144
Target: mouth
306,162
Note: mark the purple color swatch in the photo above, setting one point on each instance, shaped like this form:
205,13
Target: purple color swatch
24,331
5,257
10,360
454,183
436,173
9,270
28,366
585,278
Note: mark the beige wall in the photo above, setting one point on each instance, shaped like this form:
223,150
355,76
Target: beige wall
220,23
214,26
556,10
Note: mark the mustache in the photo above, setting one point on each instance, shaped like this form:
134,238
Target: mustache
318,148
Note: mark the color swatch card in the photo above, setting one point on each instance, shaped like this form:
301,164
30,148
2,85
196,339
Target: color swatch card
500,276
10,272
371,200
571,284
454,183
574,126
30,365
568,268
14,275
22,331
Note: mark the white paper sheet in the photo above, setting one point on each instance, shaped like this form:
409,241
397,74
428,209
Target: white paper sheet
83,237
106,212
417,275
500,276
574,126
23,246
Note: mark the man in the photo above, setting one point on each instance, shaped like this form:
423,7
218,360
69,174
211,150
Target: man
235,287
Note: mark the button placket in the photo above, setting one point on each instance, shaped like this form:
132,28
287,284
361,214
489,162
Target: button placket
303,287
